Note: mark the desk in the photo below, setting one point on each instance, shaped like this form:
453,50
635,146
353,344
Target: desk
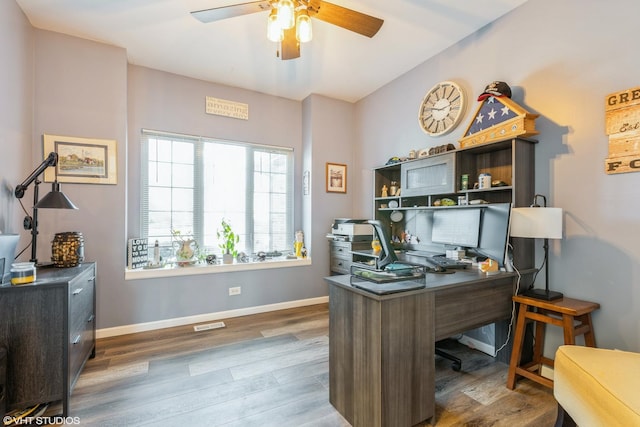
382,347
563,313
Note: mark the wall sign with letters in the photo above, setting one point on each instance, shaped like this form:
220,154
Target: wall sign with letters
622,116
137,253
222,107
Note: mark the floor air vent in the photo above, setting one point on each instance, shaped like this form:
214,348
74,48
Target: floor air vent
208,326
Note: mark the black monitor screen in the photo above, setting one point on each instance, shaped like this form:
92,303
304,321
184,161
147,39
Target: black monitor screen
457,227
494,232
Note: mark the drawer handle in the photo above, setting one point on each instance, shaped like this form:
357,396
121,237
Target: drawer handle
77,340
77,291
90,319
340,250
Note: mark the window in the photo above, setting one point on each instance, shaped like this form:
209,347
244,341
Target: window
189,184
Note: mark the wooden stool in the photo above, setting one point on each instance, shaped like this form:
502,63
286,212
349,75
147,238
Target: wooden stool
562,312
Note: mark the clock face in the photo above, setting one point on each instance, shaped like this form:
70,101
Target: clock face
442,108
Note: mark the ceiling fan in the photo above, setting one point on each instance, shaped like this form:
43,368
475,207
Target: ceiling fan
297,14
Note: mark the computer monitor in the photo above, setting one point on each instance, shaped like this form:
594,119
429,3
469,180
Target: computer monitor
456,227
8,243
494,232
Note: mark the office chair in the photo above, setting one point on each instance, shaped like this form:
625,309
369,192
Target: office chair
456,363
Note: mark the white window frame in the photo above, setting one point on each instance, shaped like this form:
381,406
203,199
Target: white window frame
198,210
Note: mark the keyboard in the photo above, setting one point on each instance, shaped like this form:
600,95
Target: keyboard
425,254
443,262
438,260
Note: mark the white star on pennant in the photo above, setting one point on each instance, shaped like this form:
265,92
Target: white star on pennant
479,118
505,110
492,114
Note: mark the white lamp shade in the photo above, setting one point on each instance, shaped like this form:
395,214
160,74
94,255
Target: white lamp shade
304,33
536,223
274,32
286,14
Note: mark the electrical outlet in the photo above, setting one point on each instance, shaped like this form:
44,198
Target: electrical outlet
235,290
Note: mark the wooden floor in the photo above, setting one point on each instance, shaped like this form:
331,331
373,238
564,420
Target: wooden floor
271,369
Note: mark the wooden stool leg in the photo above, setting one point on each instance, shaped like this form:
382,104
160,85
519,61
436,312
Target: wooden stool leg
589,336
567,325
516,351
538,347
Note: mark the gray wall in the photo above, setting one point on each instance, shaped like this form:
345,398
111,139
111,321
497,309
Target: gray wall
16,120
561,60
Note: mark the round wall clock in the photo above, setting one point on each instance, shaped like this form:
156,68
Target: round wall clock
442,108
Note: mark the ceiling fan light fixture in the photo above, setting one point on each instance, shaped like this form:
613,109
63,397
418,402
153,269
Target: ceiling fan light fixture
274,32
304,32
286,14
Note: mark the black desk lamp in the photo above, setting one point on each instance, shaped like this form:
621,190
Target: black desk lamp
54,200
538,222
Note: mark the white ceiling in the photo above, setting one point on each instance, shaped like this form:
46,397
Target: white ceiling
337,63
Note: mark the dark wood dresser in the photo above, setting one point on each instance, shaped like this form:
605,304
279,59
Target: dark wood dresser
48,328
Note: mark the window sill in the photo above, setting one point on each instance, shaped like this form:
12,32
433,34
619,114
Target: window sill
171,271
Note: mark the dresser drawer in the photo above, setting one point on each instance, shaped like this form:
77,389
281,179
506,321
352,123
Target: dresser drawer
341,250
342,257
81,322
341,266
80,347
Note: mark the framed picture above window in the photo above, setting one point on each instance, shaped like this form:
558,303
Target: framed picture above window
336,178
82,160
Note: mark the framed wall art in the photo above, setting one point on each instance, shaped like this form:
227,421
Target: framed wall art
82,160
336,178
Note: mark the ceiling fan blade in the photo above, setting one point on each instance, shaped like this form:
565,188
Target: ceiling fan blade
224,12
289,46
346,18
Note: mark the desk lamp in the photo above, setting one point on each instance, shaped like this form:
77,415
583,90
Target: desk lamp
389,254
54,200
538,222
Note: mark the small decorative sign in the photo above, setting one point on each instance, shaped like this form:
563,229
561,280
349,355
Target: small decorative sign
137,253
622,124
222,107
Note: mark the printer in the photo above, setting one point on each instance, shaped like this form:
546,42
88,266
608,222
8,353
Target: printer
351,230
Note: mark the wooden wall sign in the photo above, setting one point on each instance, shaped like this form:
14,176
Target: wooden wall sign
498,119
622,124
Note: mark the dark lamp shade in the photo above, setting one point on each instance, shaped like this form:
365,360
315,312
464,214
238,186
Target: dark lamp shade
55,199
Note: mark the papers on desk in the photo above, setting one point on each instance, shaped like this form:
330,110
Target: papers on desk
398,278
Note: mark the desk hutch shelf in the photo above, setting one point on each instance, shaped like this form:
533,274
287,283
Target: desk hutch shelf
423,181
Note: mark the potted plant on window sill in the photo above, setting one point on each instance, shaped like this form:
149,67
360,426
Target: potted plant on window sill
228,239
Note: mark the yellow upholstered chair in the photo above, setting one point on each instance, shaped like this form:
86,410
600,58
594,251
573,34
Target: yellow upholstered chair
596,387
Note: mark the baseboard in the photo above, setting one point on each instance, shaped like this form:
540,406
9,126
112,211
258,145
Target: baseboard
181,321
478,345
